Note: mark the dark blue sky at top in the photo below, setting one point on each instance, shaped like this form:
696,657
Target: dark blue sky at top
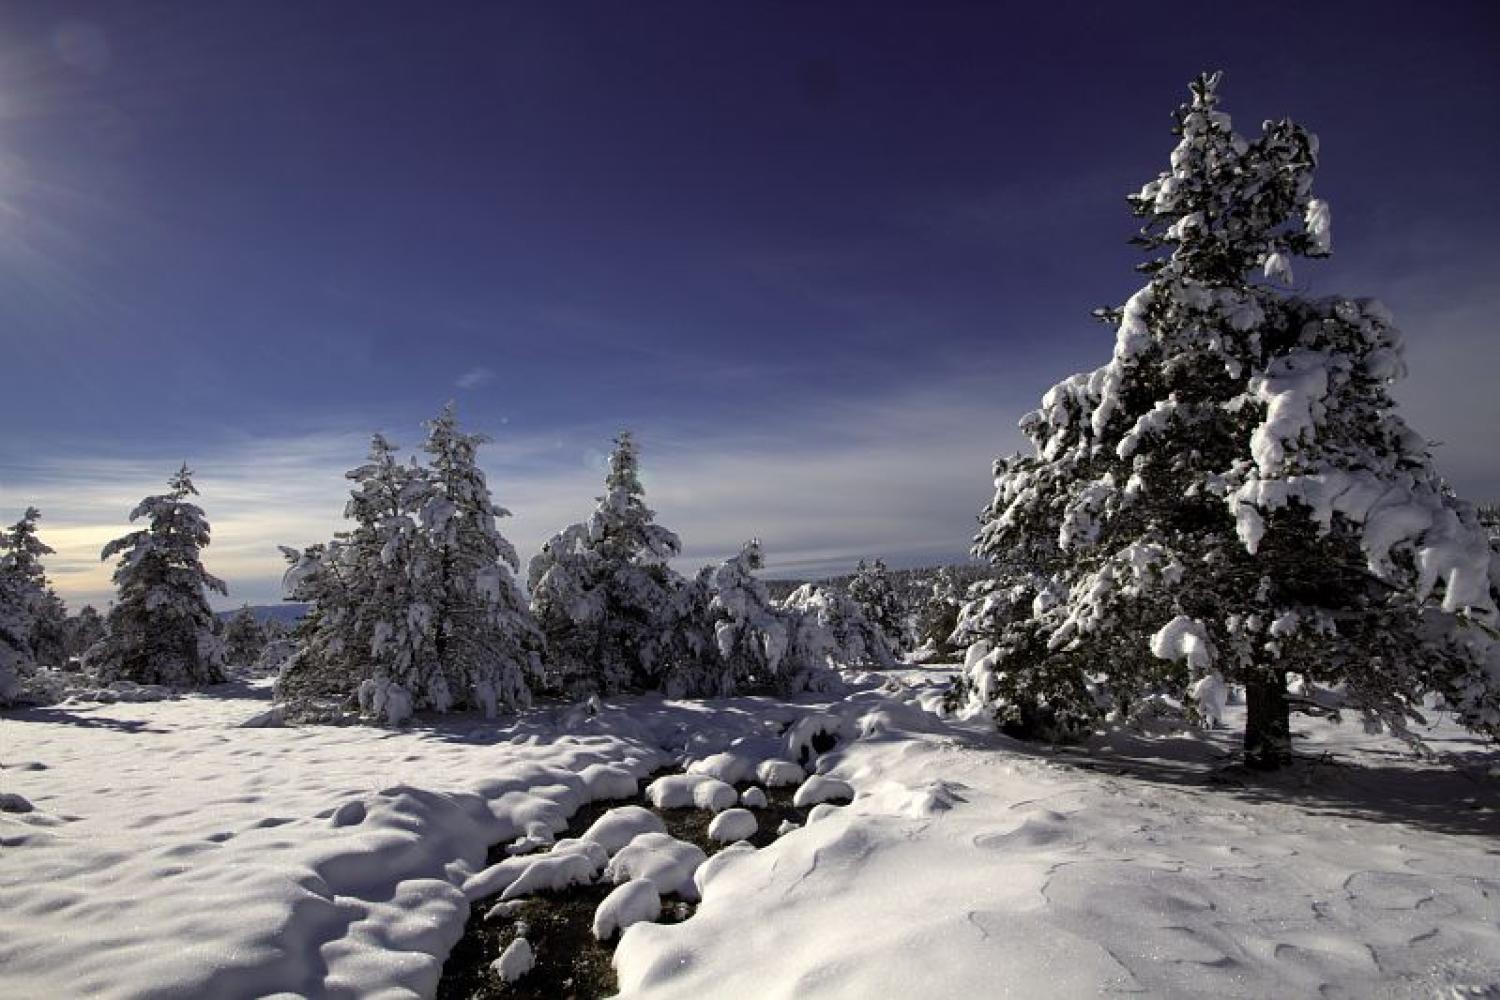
219,219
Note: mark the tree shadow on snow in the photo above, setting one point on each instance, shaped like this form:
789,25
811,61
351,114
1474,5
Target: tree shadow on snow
70,718
1450,794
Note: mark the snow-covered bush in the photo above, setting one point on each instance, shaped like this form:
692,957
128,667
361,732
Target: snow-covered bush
160,629
1236,475
602,592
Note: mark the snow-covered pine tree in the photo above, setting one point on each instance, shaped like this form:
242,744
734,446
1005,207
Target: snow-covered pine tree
372,589
243,638
852,639
487,642
762,647
872,590
938,616
23,596
82,631
601,590
1233,494
160,630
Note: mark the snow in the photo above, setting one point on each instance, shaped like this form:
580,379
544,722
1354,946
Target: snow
1138,874
967,864
779,773
626,904
668,862
515,961
688,791
1183,639
820,788
621,825
731,825
171,852
753,798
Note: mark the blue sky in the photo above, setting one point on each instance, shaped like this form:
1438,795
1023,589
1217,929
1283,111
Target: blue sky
820,256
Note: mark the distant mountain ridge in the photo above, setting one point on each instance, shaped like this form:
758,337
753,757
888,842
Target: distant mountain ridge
288,614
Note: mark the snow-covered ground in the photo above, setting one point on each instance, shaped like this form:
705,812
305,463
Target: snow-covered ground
170,853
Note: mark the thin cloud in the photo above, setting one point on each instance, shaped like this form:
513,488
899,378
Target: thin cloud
474,378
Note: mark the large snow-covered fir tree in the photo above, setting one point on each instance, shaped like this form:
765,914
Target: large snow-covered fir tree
1233,495
161,630
602,592
872,590
487,643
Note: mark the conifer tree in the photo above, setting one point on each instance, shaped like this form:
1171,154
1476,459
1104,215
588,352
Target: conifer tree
244,638
938,617
873,591
1233,495
487,643
82,631
370,630
23,603
160,630
602,592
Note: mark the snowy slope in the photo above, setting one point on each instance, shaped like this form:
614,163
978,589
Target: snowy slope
968,866
170,853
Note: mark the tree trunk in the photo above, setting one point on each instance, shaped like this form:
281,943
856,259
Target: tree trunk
1268,726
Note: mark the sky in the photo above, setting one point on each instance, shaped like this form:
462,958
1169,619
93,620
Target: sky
820,257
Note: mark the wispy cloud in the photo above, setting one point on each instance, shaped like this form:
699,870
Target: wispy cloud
899,476
474,378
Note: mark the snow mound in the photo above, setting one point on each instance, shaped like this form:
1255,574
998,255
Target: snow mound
821,788
552,873
731,825
621,825
713,866
779,773
629,903
822,811
802,733
728,767
608,781
688,791
753,798
515,961
668,862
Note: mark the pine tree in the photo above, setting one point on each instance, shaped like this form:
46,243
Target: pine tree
160,630
487,643
1233,495
872,590
852,640
371,629
82,631
23,600
243,638
938,617
602,592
